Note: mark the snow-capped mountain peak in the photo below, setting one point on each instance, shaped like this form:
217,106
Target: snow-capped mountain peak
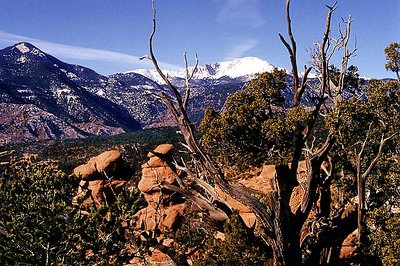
25,48
151,74
236,68
23,52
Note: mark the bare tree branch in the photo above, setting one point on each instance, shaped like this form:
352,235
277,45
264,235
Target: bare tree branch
200,201
313,176
347,53
188,77
378,155
154,60
292,54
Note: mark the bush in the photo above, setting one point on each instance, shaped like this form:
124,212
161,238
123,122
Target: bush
40,226
37,220
240,246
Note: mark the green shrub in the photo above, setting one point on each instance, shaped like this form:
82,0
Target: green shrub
240,247
40,226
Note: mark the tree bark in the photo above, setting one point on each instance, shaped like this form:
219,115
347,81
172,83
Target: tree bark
361,204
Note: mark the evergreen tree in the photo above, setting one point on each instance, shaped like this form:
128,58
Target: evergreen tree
393,58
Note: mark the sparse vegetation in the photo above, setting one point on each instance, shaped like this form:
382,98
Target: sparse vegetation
239,247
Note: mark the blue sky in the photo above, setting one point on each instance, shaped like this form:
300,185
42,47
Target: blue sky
109,36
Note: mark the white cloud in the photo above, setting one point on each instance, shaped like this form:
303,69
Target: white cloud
80,53
241,48
246,12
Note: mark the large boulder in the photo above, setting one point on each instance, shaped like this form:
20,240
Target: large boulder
153,172
165,218
102,177
349,246
160,150
107,163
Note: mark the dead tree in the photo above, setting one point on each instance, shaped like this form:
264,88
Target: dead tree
282,227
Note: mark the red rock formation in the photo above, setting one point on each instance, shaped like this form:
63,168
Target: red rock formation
107,162
101,178
164,210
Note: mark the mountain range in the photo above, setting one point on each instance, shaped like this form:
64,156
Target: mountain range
42,97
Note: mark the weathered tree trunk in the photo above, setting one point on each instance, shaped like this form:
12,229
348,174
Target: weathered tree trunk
361,205
361,179
326,250
286,227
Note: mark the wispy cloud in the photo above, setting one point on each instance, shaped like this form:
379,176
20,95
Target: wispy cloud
246,12
80,53
241,48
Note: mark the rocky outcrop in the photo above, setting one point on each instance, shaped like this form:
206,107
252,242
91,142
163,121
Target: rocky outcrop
165,208
107,163
161,150
163,211
102,177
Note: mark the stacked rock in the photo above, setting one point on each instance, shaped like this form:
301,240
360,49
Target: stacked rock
165,209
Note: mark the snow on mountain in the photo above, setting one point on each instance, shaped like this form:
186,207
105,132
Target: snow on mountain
53,99
234,69
60,100
29,48
151,74
237,68
22,48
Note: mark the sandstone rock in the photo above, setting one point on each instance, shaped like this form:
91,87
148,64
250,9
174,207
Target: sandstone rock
163,149
152,198
164,209
248,217
166,218
109,162
98,191
154,162
152,176
101,178
159,258
106,161
165,213
295,199
173,216
262,185
349,246
156,258
95,189
86,172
